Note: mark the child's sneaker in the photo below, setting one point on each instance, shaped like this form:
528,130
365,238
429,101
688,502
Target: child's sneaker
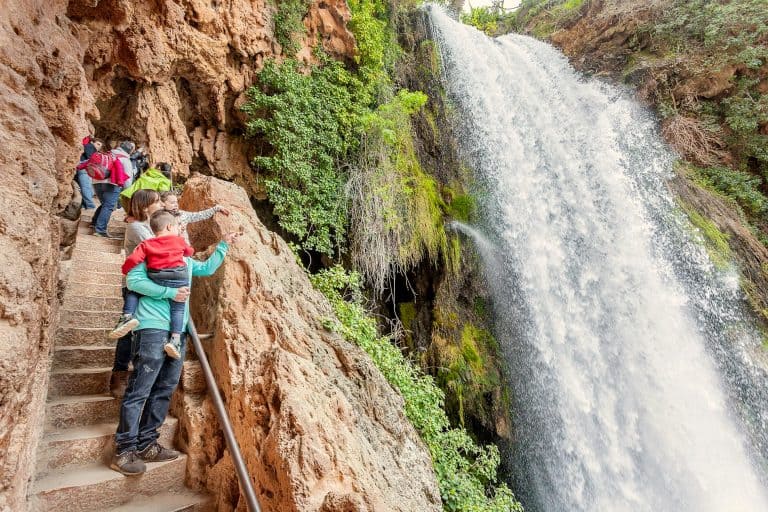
125,325
173,347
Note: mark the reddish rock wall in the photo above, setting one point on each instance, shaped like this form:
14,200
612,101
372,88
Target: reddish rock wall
321,430
44,98
167,73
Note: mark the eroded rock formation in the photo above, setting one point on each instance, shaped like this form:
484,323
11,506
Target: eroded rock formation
320,428
44,98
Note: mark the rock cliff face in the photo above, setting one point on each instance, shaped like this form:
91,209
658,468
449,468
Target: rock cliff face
43,102
320,428
167,73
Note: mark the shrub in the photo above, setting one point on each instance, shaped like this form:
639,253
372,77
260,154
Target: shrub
311,122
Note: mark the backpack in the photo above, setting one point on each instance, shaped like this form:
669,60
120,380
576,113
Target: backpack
98,168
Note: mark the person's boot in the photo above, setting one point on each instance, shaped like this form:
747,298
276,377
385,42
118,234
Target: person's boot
118,382
128,463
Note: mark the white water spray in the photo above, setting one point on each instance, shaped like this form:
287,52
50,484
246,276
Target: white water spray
615,320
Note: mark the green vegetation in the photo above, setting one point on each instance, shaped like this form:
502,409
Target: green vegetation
311,121
466,472
545,16
488,19
715,241
340,168
289,25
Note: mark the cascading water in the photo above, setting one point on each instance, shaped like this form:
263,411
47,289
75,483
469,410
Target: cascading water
628,354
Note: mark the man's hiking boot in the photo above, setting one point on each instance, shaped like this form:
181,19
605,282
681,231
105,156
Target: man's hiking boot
118,382
125,325
157,453
128,463
173,347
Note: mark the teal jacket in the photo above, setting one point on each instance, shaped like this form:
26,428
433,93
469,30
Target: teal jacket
154,311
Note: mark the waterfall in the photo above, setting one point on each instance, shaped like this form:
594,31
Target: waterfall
627,350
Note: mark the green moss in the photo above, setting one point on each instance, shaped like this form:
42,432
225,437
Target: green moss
462,207
480,307
715,241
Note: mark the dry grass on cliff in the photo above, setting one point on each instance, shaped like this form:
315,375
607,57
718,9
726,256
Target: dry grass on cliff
692,140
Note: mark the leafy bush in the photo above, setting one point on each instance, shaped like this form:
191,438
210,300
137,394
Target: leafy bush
741,186
466,472
311,121
487,19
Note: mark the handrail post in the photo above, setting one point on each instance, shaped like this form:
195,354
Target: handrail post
221,412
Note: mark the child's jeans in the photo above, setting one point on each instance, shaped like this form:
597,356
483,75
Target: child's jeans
173,278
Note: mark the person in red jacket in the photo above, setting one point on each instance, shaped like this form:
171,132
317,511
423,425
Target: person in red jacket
109,176
164,258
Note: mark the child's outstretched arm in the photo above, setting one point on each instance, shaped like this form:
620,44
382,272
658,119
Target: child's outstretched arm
138,255
190,217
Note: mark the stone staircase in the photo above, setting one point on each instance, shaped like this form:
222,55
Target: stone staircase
81,416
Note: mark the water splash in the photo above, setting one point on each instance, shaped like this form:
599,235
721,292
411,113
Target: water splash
628,354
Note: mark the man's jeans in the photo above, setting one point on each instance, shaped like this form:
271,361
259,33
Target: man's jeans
108,195
148,396
86,188
123,348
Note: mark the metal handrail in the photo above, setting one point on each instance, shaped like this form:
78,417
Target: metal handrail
226,426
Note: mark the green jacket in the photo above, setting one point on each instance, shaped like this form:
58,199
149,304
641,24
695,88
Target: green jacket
154,311
150,179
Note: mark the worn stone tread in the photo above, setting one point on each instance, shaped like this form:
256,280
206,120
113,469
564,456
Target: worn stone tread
88,444
97,487
168,502
79,410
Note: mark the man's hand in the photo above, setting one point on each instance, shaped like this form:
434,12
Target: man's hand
182,294
231,238
224,211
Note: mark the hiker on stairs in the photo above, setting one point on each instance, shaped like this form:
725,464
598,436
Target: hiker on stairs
143,204
91,145
155,376
108,176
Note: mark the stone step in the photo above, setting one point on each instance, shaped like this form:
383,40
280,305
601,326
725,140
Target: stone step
87,445
72,302
96,276
169,502
99,244
78,411
82,336
83,318
79,381
97,487
83,356
77,289
82,266
85,228
96,256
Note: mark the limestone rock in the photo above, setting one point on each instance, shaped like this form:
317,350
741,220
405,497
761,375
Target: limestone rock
43,101
319,426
